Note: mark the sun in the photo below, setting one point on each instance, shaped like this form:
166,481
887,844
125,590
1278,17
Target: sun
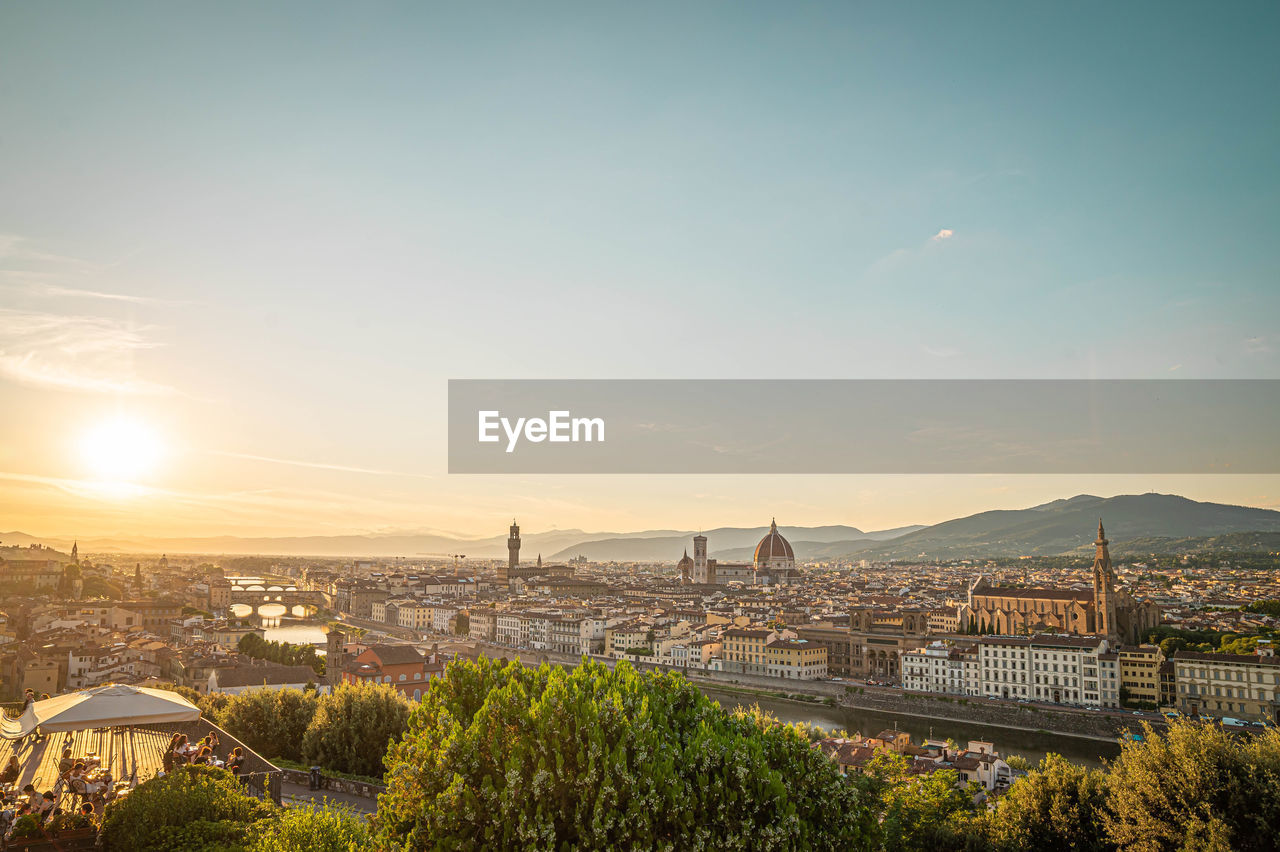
121,449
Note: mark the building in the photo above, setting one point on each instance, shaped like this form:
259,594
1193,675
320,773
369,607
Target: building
773,563
942,668
402,666
745,649
29,576
795,659
1140,673
260,674
1104,610
1240,686
1059,669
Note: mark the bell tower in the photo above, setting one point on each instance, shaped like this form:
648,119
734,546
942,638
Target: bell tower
700,574
1104,594
513,549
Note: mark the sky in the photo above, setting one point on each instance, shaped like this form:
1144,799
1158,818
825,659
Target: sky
264,236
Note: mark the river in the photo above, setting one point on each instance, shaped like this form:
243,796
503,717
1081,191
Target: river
1030,744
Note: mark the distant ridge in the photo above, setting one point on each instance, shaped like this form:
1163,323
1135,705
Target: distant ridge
1067,526
1136,523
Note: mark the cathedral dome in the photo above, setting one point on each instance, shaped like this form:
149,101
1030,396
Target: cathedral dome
773,546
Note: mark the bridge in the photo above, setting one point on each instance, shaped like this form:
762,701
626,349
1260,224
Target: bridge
289,597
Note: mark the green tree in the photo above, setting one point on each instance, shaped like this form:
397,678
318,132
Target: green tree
326,829
194,807
508,757
353,726
1196,788
272,722
1057,807
924,812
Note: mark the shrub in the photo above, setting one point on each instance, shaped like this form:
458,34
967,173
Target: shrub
352,727
190,806
327,829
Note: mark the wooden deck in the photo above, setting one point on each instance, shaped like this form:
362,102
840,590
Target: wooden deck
132,754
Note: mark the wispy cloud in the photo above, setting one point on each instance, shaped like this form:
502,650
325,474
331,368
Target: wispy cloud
1258,346
55,290
372,471
944,234
72,352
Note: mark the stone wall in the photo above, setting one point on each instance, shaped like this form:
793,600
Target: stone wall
363,789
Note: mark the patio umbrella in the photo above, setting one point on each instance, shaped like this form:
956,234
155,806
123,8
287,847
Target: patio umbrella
111,705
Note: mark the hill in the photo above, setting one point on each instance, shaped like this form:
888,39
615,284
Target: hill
1067,526
729,544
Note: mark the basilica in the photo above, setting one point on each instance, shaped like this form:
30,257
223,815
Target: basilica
1102,610
772,564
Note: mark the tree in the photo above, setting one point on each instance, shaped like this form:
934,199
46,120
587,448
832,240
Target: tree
1058,806
353,726
514,757
193,807
185,691
272,722
923,812
1195,787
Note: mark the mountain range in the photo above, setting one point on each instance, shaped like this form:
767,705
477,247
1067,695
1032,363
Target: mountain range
1139,523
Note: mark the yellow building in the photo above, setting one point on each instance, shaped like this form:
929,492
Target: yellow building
1140,672
796,659
745,649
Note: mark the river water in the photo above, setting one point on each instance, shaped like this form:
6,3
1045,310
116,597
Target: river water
1030,744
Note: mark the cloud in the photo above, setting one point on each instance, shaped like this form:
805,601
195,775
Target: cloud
72,352
319,465
944,234
1257,346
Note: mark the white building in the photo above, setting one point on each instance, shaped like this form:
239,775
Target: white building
941,668
1057,669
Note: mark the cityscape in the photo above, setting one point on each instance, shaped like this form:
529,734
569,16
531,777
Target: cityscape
740,427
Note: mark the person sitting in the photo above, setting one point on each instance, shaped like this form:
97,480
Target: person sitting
87,809
11,771
204,758
45,806
235,760
65,764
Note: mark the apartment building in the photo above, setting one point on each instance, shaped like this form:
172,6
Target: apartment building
796,659
941,668
1059,669
1140,672
1240,686
744,649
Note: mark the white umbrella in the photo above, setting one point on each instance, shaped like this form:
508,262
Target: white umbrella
108,706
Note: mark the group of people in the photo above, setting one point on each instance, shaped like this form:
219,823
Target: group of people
203,752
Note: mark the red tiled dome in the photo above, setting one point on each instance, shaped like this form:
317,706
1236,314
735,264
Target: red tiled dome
773,546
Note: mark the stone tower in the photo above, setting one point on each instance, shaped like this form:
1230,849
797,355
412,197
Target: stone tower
334,658
1104,593
700,559
513,548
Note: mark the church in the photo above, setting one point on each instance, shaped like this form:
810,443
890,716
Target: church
772,564
1104,611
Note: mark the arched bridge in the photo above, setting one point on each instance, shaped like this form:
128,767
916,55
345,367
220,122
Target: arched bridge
288,597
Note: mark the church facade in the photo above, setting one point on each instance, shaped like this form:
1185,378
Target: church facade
1103,611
